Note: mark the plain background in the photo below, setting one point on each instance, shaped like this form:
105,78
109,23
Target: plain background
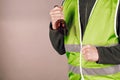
25,49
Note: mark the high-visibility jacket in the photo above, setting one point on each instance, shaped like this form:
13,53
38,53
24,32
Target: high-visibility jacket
100,31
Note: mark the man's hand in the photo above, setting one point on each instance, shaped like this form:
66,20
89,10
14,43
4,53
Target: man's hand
90,53
56,13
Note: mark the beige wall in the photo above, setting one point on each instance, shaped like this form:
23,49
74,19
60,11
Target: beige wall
25,50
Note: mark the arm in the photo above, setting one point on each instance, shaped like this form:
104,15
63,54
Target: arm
55,33
111,55
57,40
104,55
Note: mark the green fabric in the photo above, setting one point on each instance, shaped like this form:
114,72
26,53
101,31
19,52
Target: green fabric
73,76
71,17
100,28
99,32
73,58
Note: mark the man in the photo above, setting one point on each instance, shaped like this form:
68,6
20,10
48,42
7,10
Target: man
92,43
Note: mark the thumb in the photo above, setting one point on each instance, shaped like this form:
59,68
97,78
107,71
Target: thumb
61,7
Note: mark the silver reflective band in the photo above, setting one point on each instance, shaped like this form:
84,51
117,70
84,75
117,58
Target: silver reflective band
96,71
76,47
72,47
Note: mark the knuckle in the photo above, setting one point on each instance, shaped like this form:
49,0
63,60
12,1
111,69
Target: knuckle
58,11
88,54
87,50
83,52
50,13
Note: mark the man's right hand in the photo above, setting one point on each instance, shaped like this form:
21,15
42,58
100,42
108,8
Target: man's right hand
56,13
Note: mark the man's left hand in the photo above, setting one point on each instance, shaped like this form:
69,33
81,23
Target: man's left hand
90,53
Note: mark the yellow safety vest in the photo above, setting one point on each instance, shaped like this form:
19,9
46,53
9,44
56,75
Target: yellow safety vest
100,31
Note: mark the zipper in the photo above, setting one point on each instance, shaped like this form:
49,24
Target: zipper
82,77
81,38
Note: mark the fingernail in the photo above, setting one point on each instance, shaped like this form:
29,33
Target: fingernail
56,6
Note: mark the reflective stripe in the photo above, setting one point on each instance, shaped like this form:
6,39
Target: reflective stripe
72,48
77,47
96,71
116,19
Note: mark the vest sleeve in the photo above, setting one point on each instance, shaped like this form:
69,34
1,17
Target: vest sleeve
57,40
109,55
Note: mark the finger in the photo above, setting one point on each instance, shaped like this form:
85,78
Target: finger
88,54
84,51
55,19
62,17
87,57
61,8
85,47
56,13
57,8
58,16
